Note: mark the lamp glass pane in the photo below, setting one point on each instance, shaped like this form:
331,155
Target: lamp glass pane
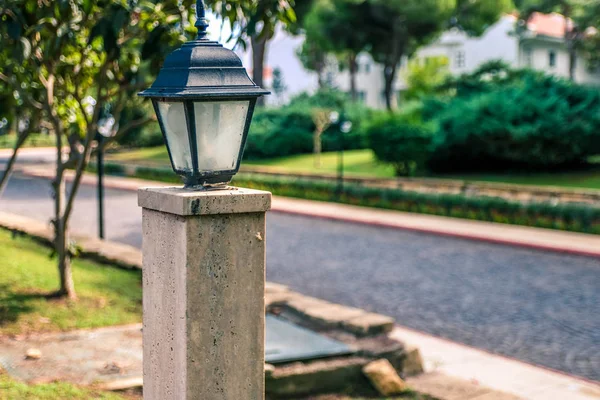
175,126
219,133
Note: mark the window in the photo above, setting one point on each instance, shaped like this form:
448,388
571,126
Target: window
460,59
362,96
552,58
528,56
368,68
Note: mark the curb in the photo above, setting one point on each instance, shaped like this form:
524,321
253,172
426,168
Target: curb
344,214
479,238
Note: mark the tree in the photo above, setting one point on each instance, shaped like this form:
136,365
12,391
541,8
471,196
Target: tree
402,26
588,19
256,21
278,85
314,58
425,77
18,88
339,27
86,59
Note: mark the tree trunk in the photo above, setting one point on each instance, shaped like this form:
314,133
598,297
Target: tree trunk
390,77
67,287
259,49
13,158
569,38
317,147
572,63
392,61
321,78
353,68
61,243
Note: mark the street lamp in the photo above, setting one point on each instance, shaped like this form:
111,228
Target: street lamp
204,101
204,250
105,131
345,128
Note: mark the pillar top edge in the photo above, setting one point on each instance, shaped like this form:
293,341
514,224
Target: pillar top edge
184,202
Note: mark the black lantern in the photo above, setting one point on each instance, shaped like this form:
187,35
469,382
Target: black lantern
204,101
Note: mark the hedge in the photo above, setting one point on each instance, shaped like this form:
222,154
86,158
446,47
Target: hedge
531,121
568,217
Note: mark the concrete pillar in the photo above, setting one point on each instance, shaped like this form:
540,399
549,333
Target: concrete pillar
204,278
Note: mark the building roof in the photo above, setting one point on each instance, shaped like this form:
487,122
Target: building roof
551,25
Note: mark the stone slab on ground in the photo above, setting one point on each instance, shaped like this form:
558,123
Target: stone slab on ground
384,378
105,356
322,376
467,364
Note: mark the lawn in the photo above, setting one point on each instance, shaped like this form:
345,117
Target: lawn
107,295
362,163
34,140
11,389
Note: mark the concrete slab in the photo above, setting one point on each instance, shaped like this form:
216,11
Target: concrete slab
495,372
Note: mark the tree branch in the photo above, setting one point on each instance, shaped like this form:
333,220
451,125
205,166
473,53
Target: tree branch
87,151
127,128
27,95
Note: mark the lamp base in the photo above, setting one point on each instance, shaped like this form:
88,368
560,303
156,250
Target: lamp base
204,183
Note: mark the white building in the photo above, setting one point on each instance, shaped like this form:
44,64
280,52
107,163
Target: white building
541,47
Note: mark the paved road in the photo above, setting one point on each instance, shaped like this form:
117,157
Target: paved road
539,307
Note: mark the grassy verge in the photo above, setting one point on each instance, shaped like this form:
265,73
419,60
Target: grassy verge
11,389
34,140
107,296
362,163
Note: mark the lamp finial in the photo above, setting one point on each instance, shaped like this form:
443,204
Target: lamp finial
201,21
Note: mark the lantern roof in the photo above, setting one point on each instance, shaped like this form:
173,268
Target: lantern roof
203,69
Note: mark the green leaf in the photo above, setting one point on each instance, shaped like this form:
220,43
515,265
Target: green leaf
87,6
14,30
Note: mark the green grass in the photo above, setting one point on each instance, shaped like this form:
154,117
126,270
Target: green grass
11,389
356,162
107,295
362,163
34,140
150,155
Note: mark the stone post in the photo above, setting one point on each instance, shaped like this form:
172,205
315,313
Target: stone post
203,279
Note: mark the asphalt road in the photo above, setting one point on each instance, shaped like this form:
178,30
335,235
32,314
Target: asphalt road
539,307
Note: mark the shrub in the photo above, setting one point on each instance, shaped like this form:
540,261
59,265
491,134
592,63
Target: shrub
279,133
539,122
405,145
288,130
